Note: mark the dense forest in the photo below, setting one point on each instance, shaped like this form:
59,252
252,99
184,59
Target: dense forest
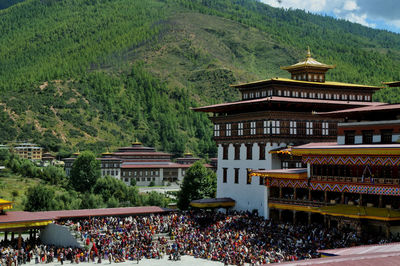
97,74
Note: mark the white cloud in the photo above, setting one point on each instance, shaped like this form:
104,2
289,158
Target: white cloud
366,12
350,6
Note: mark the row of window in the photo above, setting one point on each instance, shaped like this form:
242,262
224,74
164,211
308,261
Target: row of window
310,95
270,127
112,172
110,165
236,177
143,179
309,77
367,136
135,173
249,152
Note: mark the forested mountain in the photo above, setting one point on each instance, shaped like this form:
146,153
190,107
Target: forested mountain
96,74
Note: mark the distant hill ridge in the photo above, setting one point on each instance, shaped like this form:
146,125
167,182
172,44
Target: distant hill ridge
96,74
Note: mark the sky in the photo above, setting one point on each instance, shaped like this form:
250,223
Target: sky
378,14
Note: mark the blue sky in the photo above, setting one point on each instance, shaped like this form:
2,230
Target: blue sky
378,14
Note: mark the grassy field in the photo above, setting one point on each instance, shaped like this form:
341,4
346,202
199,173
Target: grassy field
14,187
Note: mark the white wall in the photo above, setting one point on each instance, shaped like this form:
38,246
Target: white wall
247,196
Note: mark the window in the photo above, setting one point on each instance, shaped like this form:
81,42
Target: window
320,95
352,97
279,92
251,95
294,77
325,128
266,127
304,77
262,151
273,127
216,130
228,131
135,173
298,165
367,136
257,94
359,97
236,175
344,97
225,152
312,95
328,96
270,92
286,93
237,152
253,127
349,137
367,98
240,129
224,175
245,96
321,78
263,93
386,136
336,96
295,94
285,165
303,94
309,128
293,127
129,173
249,151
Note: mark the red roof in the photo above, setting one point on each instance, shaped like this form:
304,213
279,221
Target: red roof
367,259
141,153
22,216
276,99
170,165
364,109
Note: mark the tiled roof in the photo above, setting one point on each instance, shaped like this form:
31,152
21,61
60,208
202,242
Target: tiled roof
300,82
277,99
364,109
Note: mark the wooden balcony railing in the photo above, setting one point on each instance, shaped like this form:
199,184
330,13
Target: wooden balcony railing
389,181
298,202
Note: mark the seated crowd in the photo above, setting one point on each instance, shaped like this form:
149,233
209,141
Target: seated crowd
236,238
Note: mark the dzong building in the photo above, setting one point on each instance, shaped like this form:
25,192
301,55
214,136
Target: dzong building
273,115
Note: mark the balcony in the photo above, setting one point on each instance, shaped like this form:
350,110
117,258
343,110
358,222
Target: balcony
342,179
299,202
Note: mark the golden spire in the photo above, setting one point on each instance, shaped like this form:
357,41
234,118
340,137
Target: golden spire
308,52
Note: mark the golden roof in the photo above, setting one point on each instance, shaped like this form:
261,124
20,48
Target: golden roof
326,83
309,62
5,204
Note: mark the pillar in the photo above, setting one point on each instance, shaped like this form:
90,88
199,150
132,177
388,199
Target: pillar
326,196
361,200
280,193
342,198
309,194
295,193
380,201
309,218
294,217
387,230
12,236
5,235
329,222
280,215
19,240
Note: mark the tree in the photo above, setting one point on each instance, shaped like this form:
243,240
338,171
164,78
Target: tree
85,172
199,182
39,198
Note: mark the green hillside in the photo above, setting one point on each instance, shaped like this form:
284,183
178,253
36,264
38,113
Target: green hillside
97,74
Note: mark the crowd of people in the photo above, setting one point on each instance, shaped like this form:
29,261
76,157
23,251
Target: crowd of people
233,239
